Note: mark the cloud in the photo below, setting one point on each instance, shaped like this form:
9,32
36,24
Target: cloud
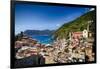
92,9
57,25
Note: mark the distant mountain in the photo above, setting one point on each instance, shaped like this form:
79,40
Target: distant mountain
38,32
78,24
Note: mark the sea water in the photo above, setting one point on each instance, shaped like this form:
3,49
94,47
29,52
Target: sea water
43,39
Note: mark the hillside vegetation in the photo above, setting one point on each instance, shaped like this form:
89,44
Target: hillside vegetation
78,24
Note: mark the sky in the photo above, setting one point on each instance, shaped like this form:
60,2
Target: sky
43,17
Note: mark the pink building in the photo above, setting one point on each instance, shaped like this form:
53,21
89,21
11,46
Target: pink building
77,34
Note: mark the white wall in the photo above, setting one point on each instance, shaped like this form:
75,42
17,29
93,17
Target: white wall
5,34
